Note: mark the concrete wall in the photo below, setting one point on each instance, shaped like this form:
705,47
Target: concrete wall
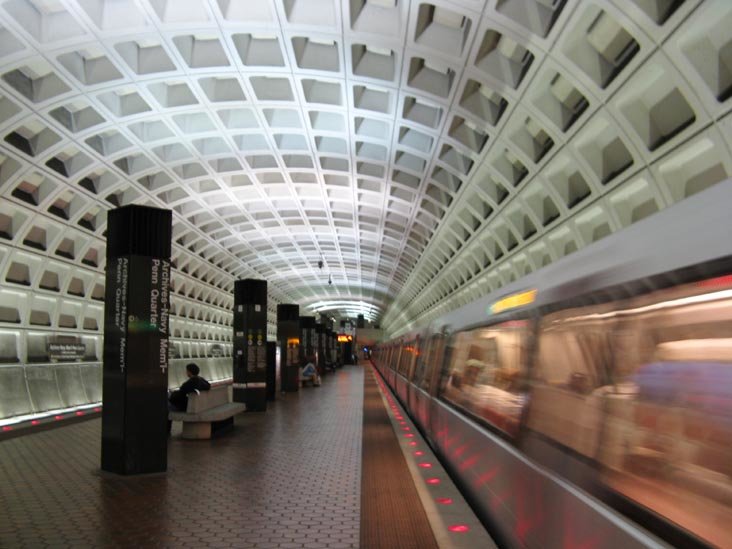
43,388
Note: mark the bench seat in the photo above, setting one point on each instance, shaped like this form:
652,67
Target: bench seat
208,412
212,414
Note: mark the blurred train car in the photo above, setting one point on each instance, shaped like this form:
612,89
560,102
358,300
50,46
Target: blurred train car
590,403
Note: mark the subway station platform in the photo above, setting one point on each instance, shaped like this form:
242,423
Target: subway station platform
327,466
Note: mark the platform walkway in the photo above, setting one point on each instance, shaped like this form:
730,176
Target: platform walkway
290,477
297,476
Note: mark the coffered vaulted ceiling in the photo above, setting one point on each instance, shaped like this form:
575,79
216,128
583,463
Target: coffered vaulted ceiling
428,152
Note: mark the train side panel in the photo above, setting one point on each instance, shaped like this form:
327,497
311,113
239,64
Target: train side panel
524,503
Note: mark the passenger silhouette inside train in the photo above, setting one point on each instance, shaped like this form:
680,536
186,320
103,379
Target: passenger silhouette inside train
487,378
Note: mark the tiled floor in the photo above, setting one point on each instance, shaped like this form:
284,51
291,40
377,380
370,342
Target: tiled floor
287,478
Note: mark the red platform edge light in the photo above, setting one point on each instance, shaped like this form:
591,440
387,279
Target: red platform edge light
458,528
35,422
7,428
98,409
409,435
713,282
444,501
413,443
79,413
425,465
433,480
58,417
419,453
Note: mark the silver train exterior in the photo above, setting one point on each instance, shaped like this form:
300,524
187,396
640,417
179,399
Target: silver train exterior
589,404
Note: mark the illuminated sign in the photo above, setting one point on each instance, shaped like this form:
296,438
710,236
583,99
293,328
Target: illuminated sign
343,338
513,301
293,341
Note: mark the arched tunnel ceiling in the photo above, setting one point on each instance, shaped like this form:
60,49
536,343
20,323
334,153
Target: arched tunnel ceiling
427,152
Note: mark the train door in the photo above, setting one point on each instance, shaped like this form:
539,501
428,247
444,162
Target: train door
405,364
418,395
431,382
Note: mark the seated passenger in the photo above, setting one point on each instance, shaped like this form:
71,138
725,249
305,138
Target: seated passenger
179,399
309,373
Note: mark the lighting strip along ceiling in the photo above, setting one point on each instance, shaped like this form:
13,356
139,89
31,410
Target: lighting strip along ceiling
426,152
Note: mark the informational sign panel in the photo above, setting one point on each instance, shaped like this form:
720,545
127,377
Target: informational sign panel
65,349
136,346
256,361
348,328
250,338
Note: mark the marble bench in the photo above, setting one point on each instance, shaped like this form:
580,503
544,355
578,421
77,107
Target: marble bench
208,412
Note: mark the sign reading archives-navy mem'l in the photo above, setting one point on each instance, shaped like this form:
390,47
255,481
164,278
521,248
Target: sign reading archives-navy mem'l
136,331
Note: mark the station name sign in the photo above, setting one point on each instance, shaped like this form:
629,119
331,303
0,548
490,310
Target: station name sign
65,351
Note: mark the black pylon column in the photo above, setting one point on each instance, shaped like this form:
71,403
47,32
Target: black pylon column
136,329
334,347
250,338
339,350
307,338
288,341
320,346
328,346
271,370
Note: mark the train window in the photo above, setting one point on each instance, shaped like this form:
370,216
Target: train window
402,358
406,358
569,377
421,362
445,377
436,363
487,373
393,356
424,363
668,433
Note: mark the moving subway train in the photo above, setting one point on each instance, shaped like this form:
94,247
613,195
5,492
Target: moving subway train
589,404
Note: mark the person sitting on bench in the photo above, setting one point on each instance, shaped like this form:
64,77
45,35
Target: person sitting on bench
179,399
309,373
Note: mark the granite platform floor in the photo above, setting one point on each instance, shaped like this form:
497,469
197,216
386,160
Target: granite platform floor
290,477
